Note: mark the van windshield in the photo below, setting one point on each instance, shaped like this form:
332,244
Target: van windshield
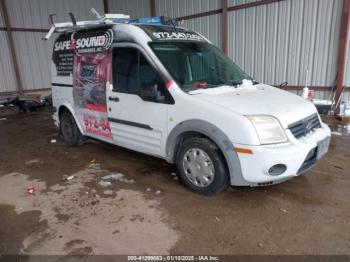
198,65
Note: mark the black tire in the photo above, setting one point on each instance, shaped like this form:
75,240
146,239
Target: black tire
221,176
69,130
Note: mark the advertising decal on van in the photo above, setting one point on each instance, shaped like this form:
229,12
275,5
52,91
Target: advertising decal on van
91,42
85,59
79,43
161,33
176,36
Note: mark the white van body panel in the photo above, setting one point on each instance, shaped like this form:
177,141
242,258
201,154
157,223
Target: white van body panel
263,100
149,140
189,107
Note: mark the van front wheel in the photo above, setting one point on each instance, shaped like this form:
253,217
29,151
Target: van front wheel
69,130
201,167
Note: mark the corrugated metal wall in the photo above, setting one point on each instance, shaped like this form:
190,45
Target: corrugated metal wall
134,8
33,54
279,42
2,24
274,43
7,78
34,13
179,8
209,26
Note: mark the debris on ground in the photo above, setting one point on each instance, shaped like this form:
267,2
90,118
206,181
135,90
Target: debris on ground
338,167
217,219
158,192
283,210
53,141
93,161
118,177
105,183
31,190
107,180
261,245
173,174
3,119
145,172
32,162
336,133
67,178
108,192
148,190
308,197
95,168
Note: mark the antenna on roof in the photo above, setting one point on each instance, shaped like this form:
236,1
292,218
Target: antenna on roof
73,19
93,10
51,16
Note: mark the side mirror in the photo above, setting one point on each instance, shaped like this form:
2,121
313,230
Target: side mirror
149,91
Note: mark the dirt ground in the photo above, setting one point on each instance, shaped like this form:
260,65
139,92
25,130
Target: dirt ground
147,211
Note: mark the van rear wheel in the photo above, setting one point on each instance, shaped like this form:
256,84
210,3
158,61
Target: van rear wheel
202,167
69,130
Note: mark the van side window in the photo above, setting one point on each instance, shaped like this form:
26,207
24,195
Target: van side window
133,74
125,70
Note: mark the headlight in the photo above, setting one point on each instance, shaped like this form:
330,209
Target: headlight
269,129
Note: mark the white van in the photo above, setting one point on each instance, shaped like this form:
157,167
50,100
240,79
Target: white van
168,92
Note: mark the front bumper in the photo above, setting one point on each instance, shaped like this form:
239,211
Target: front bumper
298,155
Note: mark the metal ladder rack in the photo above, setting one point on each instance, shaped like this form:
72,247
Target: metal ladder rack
107,19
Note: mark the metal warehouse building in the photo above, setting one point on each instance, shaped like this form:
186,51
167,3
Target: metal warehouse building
275,41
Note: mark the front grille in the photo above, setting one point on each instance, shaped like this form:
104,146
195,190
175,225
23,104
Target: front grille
309,161
305,126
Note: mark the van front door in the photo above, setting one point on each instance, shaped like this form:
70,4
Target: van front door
137,102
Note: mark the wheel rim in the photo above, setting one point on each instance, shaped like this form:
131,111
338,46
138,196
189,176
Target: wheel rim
198,167
67,129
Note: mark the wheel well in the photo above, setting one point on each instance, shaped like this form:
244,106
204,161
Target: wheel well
190,134
63,110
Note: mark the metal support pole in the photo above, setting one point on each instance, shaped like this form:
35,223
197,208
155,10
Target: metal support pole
343,47
105,6
153,8
224,5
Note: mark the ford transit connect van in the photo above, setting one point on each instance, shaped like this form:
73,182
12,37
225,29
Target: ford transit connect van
166,91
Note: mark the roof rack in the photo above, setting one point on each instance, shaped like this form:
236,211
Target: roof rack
75,26
107,19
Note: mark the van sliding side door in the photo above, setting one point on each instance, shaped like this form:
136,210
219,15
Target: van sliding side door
138,122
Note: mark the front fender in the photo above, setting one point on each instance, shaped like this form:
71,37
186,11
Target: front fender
217,136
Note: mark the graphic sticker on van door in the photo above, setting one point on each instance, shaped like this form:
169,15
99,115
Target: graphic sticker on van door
90,77
85,59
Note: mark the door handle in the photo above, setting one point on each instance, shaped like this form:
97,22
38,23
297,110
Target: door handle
115,99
